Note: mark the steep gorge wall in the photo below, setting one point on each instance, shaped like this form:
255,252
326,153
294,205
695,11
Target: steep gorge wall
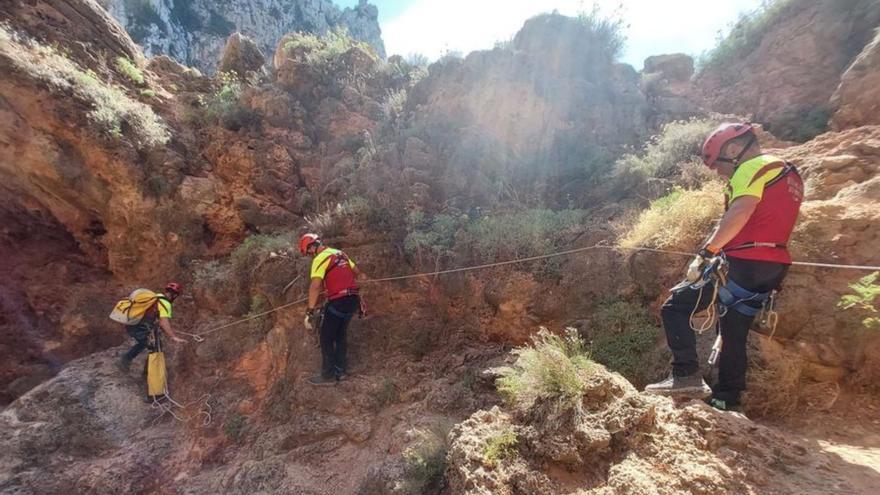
786,72
194,32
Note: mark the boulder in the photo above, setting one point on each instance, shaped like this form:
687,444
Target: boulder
241,56
674,67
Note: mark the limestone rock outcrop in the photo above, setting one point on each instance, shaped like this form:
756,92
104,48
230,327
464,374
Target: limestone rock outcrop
666,82
620,441
241,56
194,32
857,100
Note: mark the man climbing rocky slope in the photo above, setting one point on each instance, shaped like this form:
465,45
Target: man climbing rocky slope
118,170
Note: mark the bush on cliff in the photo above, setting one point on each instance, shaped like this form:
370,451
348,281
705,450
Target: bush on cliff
746,34
111,109
678,143
323,54
224,106
553,368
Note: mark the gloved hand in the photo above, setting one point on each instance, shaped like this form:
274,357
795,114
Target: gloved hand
695,269
311,319
708,252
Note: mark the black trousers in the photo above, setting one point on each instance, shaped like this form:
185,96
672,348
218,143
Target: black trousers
334,335
142,339
756,276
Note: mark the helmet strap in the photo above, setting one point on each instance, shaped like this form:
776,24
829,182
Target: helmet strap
736,161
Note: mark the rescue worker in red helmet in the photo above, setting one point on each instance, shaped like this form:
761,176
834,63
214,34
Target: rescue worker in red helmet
762,201
336,275
157,317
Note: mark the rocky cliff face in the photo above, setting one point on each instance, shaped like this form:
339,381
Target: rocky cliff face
791,65
118,171
524,119
194,32
857,99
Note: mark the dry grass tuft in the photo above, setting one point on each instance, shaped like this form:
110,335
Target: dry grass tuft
775,386
677,220
111,106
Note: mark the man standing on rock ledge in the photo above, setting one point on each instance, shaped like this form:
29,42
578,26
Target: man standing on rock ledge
763,197
335,273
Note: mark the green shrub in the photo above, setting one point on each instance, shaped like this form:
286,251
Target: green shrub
333,221
606,32
110,106
624,337
129,70
392,107
224,105
678,143
323,54
522,234
256,249
148,93
553,368
746,34
430,238
499,446
865,292
424,461
800,124
677,221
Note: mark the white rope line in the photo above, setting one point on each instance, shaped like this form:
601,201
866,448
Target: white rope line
832,265
481,267
199,337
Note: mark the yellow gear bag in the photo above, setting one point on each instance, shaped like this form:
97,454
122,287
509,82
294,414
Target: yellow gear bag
157,385
131,310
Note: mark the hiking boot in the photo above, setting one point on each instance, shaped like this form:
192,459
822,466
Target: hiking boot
723,405
691,385
123,365
321,381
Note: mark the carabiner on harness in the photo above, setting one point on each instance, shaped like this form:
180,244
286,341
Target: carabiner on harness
769,317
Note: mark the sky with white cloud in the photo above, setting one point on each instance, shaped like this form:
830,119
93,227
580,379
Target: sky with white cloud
434,27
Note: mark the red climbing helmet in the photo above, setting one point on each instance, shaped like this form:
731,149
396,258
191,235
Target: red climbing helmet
307,240
722,135
173,287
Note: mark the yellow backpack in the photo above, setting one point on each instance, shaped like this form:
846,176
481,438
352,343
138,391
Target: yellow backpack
131,310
